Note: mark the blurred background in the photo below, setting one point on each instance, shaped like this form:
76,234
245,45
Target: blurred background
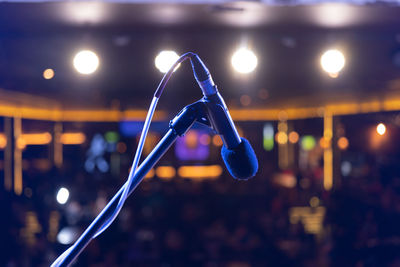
314,85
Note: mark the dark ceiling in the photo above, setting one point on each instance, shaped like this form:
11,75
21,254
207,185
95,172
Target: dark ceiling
288,41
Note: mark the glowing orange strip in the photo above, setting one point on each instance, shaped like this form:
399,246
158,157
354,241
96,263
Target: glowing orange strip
166,172
35,138
200,172
340,108
73,138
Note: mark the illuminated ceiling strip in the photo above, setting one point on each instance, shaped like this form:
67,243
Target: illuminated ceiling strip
340,108
214,2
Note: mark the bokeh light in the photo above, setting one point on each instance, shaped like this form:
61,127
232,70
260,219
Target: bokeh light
324,142
381,129
244,61
308,142
165,59
67,235
281,138
333,61
217,141
345,168
245,100
205,139
48,74
293,137
62,195
86,62
3,141
268,137
343,143
314,202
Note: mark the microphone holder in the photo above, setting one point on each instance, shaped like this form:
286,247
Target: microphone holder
182,122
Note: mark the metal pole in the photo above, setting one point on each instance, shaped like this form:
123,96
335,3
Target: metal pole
178,126
143,169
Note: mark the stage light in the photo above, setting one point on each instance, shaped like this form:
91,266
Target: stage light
244,61
165,59
62,195
333,61
381,129
48,74
86,62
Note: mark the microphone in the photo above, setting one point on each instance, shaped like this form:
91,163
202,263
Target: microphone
237,153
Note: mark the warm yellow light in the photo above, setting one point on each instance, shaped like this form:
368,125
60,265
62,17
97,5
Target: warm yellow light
293,137
86,62
165,172
165,59
48,74
343,143
381,129
21,143
324,142
33,139
200,172
73,138
244,61
150,174
333,61
281,138
3,141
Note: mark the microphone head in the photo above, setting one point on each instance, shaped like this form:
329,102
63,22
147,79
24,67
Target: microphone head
200,71
241,161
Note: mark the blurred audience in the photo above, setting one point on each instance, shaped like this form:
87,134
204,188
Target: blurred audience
222,222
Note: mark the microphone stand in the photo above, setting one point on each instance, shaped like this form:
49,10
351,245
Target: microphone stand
177,127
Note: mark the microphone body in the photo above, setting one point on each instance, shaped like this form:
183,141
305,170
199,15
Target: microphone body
221,120
237,153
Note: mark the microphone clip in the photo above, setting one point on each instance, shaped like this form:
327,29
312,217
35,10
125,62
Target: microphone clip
183,121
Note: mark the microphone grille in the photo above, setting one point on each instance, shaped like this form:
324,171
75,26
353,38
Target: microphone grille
241,161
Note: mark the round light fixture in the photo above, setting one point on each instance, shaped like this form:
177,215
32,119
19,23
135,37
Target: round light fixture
165,59
244,61
333,61
86,62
